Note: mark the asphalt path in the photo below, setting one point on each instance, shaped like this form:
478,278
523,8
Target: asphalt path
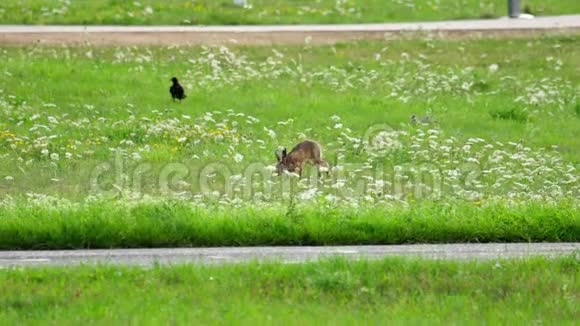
149,257
282,34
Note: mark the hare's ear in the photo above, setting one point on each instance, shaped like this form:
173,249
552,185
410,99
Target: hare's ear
284,153
277,156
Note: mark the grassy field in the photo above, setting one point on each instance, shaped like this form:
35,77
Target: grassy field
175,224
497,126
223,12
329,292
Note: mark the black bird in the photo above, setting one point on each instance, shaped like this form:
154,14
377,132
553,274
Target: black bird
176,90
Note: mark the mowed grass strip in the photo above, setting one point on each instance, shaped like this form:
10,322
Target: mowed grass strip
174,224
332,292
224,12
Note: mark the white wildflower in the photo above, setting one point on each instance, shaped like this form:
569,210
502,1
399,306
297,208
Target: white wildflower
270,132
238,157
308,194
136,156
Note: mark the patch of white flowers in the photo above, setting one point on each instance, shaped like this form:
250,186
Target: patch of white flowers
389,167
392,166
408,77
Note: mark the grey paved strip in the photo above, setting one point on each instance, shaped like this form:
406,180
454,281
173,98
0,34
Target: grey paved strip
283,34
147,257
480,24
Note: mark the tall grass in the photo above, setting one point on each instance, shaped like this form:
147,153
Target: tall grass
175,224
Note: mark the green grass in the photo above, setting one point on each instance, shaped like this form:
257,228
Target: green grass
106,225
223,12
103,98
510,114
97,124
332,292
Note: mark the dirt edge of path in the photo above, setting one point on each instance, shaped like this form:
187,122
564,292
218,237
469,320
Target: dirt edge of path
193,38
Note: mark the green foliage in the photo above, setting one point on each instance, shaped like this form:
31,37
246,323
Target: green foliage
218,12
333,291
118,225
513,114
66,111
114,99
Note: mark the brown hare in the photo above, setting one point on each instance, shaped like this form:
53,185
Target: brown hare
307,151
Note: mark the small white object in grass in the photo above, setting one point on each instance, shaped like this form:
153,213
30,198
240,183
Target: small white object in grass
493,67
270,132
308,194
291,174
331,198
9,178
238,157
136,156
